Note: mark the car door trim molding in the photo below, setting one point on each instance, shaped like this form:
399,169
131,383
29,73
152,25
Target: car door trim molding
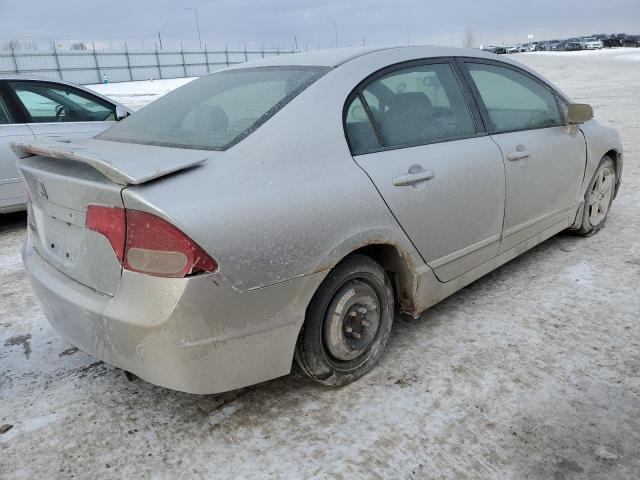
523,231
451,266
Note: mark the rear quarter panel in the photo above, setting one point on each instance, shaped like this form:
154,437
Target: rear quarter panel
286,201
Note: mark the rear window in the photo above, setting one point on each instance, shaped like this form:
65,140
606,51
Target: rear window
215,111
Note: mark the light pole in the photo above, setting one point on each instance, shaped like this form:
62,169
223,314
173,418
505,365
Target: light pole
160,36
197,24
335,30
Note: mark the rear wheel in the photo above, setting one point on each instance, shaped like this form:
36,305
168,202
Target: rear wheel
598,198
347,324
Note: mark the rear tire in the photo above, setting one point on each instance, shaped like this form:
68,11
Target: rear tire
598,198
348,323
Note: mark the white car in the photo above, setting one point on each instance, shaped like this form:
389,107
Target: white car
591,44
33,108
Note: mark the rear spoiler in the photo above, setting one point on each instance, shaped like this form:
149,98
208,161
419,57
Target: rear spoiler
122,163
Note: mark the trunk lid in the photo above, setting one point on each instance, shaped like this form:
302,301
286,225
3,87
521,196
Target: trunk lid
64,179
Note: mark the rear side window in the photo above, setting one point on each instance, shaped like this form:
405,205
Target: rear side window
414,106
513,100
59,103
215,111
360,132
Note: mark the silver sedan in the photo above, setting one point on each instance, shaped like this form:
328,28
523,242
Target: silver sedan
289,207
34,108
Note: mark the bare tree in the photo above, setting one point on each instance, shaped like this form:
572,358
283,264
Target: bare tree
468,40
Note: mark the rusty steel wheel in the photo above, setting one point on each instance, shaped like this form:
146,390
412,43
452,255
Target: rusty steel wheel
347,324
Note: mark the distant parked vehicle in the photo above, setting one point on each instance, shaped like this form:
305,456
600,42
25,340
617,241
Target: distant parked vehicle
572,46
591,44
42,109
513,49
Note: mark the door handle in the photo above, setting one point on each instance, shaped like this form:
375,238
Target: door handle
519,153
411,178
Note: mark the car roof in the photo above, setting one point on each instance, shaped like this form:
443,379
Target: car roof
338,56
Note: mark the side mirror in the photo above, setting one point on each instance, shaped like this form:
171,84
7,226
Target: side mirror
578,113
121,112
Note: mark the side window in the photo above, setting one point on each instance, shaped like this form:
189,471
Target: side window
4,112
59,103
360,133
419,105
513,100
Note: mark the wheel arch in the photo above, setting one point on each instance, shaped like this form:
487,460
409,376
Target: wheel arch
400,269
616,156
400,261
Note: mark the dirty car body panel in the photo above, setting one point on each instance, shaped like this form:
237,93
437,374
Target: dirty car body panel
277,208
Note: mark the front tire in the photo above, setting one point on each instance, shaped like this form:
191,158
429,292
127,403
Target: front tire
598,198
348,323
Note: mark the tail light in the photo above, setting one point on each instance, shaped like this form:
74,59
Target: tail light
148,244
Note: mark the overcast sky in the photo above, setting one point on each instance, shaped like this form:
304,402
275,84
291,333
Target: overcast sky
279,21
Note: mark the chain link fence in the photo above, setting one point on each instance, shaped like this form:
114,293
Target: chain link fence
94,66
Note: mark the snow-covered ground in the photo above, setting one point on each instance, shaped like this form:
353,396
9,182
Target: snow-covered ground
136,95
622,53
532,372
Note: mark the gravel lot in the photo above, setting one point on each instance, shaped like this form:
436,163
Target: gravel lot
531,372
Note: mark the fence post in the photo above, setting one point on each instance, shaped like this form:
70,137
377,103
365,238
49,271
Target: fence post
278,50
158,62
126,52
184,65
206,57
226,54
95,59
55,55
13,55
245,52
262,49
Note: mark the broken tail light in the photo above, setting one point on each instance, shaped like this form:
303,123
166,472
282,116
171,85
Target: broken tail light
146,243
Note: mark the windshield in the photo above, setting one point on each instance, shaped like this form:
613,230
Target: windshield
215,111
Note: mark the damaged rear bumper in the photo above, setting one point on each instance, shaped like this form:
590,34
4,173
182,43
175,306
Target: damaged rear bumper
192,334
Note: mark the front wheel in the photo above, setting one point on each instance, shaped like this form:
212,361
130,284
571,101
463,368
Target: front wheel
598,198
348,323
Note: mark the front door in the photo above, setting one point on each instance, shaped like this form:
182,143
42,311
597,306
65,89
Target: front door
12,193
412,131
544,163
58,112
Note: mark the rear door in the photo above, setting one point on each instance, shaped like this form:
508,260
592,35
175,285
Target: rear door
413,130
544,163
12,194
59,112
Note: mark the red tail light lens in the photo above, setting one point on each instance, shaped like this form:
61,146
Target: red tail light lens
148,244
110,222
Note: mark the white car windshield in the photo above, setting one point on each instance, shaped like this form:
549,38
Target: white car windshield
216,111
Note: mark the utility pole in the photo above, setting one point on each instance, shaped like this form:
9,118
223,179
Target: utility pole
197,24
335,30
